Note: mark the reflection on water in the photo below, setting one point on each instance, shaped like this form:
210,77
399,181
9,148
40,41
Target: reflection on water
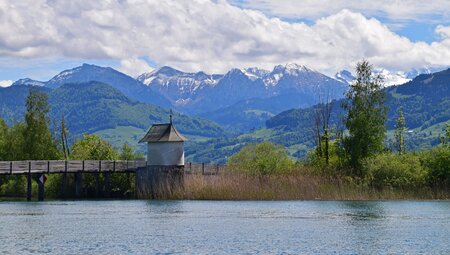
365,210
221,227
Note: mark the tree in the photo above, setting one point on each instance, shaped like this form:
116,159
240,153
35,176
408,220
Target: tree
128,153
65,145
365,118
3,139
400,133
322,113
264,158
38,140
92,147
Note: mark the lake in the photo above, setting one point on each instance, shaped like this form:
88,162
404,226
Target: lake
225,227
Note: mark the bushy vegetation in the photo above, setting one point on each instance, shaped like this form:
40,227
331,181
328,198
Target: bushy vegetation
262,159
398,171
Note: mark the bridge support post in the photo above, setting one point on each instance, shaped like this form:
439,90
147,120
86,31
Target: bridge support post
78,184
107,184
29,179
159,182
97,184
64,185
41,188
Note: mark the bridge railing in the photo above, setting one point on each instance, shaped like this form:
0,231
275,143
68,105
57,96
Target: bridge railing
204,168
61,166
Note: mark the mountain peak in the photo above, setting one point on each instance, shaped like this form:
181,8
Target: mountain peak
344,76
291,68
167,71
28,82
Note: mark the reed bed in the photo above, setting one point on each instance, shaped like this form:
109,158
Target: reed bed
238,186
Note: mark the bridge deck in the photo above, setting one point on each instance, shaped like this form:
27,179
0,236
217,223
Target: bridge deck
69,166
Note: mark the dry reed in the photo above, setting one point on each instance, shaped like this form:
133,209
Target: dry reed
238,186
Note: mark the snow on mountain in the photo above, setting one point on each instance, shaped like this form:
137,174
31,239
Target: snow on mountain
254,73
28,82
179,87
344,76
392,78
5,83
389,78
197,92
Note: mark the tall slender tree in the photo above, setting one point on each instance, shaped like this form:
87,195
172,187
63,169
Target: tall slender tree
366,115
400,128
38,140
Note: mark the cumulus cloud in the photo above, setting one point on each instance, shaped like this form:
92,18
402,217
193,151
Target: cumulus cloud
433,10
213,36
6,83
134,66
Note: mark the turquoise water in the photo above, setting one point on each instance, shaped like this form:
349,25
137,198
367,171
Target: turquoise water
211,227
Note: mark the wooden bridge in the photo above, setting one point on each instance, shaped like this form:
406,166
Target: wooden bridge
69,166
39,168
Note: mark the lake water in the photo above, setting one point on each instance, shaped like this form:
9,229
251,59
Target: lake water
215,227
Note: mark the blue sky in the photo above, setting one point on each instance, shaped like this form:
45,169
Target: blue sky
41,38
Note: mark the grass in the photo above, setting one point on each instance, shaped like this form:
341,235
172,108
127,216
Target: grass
235,186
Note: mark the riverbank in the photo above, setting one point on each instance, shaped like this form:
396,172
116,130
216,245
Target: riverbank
235,186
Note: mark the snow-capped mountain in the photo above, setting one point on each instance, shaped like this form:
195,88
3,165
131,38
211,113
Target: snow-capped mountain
28,82
344,76
200,92
389,78
179,87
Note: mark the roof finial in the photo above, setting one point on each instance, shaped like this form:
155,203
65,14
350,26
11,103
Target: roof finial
170,116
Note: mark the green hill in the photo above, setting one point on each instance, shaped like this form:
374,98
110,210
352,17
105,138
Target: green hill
94,107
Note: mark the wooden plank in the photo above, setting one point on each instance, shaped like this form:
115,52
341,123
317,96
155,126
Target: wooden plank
4,167
57,166
38,166
91,165
74,165
121,165
107,165
20,167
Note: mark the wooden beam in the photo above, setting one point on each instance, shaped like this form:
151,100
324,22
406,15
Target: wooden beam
41,189
78,184
29,182
107,184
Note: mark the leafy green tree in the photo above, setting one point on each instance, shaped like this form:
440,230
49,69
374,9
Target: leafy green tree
366,115
3,139
92,147
15,142
400,128
128,153
38,140
264,158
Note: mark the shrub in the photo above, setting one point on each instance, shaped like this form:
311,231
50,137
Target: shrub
264,158
437,161
395,171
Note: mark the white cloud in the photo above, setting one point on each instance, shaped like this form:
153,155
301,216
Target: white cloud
443,31
432,10
203,35
134,66
6,83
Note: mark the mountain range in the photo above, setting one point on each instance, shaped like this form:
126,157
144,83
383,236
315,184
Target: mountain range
227,110
425,102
